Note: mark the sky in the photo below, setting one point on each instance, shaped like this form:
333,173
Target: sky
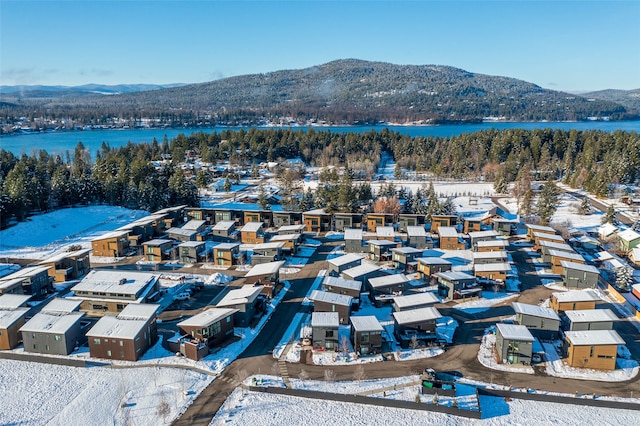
563,45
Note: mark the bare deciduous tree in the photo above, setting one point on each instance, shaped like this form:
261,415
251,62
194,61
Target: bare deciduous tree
329,375
359,374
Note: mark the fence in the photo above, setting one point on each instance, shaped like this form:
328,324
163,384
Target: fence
44,359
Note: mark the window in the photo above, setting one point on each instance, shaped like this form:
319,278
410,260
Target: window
217,327
96,341
33,335
228,320
47,348
328,333
365,338
591,352
57,338
121,343
122,354
108,353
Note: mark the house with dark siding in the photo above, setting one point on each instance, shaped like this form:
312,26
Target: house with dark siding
543,322
366,335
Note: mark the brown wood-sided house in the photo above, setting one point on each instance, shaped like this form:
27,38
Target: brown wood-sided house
438,221
374,220
573,300
68,266
13,312
210,327
429,266
317,221
157,250
595,349
252,233
449,238
111,244
228,254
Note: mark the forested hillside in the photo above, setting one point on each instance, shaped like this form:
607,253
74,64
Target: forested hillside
140,176
339,92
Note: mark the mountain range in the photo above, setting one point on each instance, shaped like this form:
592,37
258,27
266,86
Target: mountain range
346,91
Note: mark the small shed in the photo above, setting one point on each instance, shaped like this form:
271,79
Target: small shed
514,344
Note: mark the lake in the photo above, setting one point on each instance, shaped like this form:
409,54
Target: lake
59,142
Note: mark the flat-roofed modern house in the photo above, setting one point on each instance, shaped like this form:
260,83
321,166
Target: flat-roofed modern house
111,244
263,216
546,246
290,229
607,230
366,335
578,275
472,224
180,234
344,221
157,250
449,238
291,242
417,237
590,319
491,245
596,349
404,258
478,236
13,312
514,344
538,237
339,285
532,229
266,274
374,220
145,228
324,326
192,251
455,285
246,301
342,263
200,227
211,326
442,220
109,292
429,266
480,257
543,323
634,256
287,218
267,252
557,257
252,233
56,329
419,323
385,233
504,226
324,301
628,239
317,220
353,239
414,301
573,300
228,254
383,288
68,266
32,280
224,230
362,272
406,220
381,249
492,271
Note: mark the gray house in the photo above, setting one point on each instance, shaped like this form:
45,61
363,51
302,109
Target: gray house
383,288
514,344
267,252
414,301
344,221
407,220
324,301
590,319
342,263
543,323
361,273
546,246
478,236
484,257
224,230
56,329
415,323
454,285
192,251
324,326
417,237
577,275
366,335
246,301
341,286
404,258
353,239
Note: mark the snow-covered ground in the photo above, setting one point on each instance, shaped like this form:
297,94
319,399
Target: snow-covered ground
567,215
47,234
488,299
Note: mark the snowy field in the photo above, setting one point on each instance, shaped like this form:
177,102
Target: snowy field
252,408
488,299
44,235
567,215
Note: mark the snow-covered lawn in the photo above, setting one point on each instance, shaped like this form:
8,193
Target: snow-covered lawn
488,299
46,234
487,356
567,215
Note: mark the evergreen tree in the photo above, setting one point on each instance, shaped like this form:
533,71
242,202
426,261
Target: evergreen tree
501,185
263,202
548,201
624,278
585,206
609,215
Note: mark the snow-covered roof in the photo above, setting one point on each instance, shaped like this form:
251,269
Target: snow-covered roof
252,227
112,234
555,246
325,319
224,225
385,231
265,268
193,225
492,267
489,255
514,332
113,327
629,235
433,261
13,301
607,229
227,246
591,315
328,297
455,276
635,254
268,246
447,231
579,267
360,270
593,337
56,323
27,272
388,280
291,228
60,305
492,243
341,283
416,315
566,255
576,296
240,296
208,317
180,231
554,237
353,234
540,228
157,242
65,255
285,237
381,243
192,244
416,231
535,311
406,250
366,323
315,212
345,259
417,299
116,281
8,317
483,234
139,311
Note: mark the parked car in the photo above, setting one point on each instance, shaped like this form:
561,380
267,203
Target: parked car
182,296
